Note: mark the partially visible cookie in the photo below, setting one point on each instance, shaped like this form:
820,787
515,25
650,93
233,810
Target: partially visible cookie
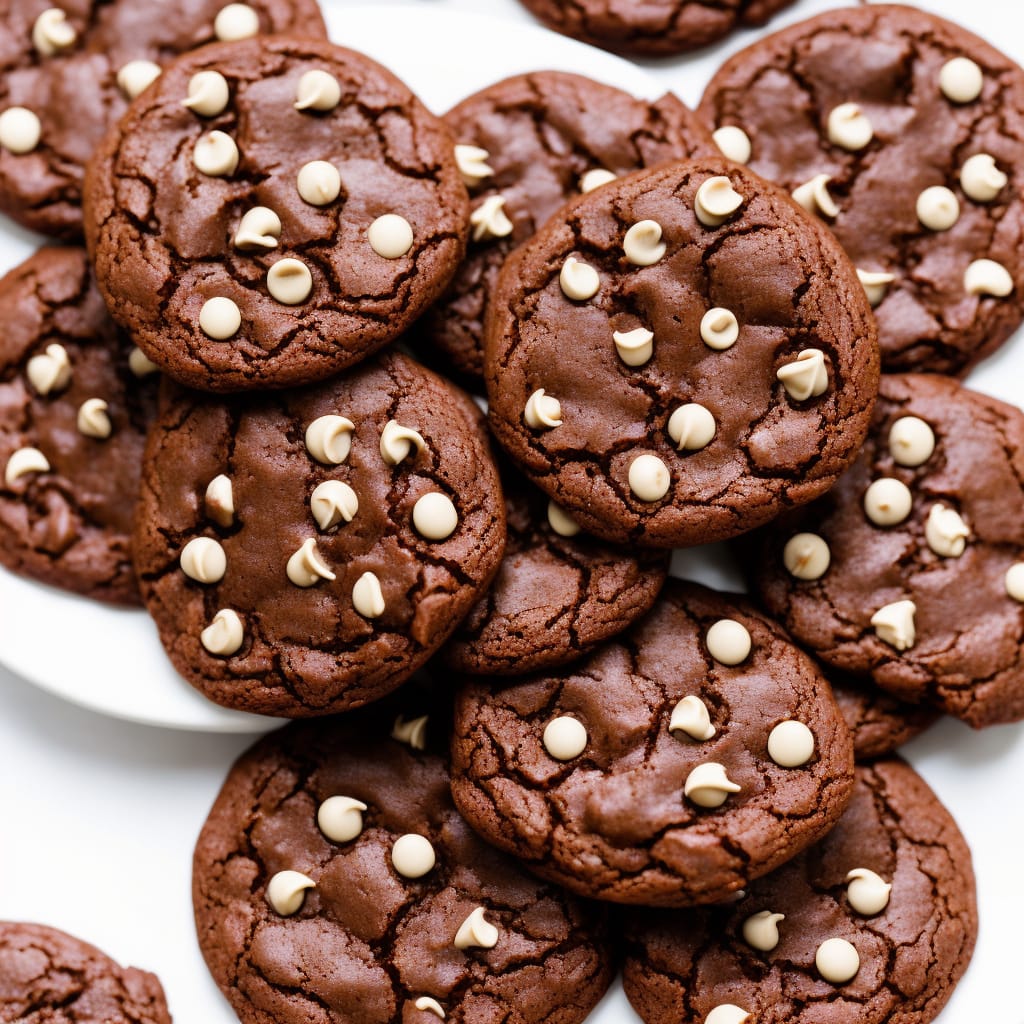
905,134
67,73
875,924
525,145
75,404
271,212
49,976
697,751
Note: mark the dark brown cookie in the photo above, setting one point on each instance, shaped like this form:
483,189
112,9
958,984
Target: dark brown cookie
334,570
71,70
888,894
404,916
75,406
652,27
906,570
673,375
309,239
49,976
525,146
906,134
694,753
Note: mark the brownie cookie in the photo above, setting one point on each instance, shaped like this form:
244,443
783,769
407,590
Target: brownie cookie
49,976
875,924
558,592
905,134
525,146
271,212
652,27
334,880
694,753
878,722
911,570
304,552
681,355
67,73
76,401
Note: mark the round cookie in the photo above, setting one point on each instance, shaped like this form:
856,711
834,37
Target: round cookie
694,753
69,72
47,975
658,28
75,404
246,243
905,133
889,893
404,916
904,572
681,355
557,595
525,146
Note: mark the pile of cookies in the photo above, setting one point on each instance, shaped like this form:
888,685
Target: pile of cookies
529,756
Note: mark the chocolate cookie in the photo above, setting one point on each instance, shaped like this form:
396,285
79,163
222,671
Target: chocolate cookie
878,722
46,975
271,212
75,403
334,880
694,753
67,74
652,27
905,134
525,146
304,552
875,924
558,592
910,570
681,355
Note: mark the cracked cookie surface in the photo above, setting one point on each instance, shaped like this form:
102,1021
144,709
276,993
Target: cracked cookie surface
878,722
375,596
788,289
369,943
375,240
911,953
616,820
47,975
70,523
889,60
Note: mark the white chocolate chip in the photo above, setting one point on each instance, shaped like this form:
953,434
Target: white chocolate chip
579,281
727,1013
203,560
333,502
340,818
220,318
542,412
806,556
946,532
329,439
867,892
837,961
888,501
716,201
434,515
413,856
814,196
49,371
318,183
219,501
981,179
595,178
643,245
429,1005
135,77
216,154
489,220
317,90
806,377
260,228
761,930
635,347
413,732
565,738
986,277
961,80
791,744
733,143
94,419
23,462
649,478
390,236
729,642
849,127
561,522
876,284
397,443
289,281
224,635
708,785
286,891
472,164
719,329
20,130
938,209
52,33
692,427
1013,581
208,94
477,931
367,596
911,441
306,568
691,716
894,624
236,21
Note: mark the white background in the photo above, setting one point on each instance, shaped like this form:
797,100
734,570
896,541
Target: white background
99,815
